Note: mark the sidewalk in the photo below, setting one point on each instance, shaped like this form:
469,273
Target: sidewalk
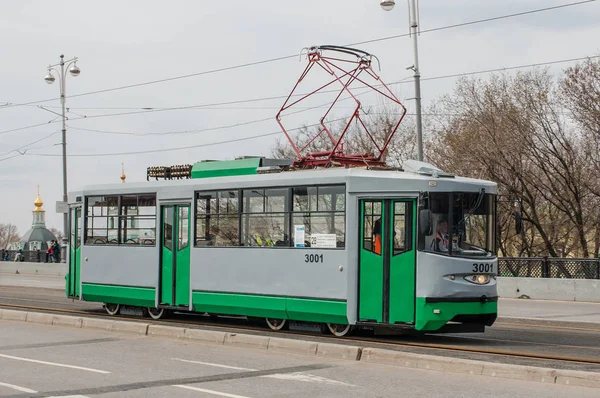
40,281
549,312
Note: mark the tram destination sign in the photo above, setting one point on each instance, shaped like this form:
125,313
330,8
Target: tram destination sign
323,240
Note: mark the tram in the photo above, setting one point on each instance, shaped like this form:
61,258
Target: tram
342,248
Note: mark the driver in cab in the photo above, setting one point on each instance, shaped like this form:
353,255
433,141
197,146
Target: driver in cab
442,240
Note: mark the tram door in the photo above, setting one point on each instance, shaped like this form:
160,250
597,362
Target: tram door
387,260
73,282
175,255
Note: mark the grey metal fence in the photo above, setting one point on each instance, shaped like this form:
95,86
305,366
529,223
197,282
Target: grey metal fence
550,267
527,267
32,256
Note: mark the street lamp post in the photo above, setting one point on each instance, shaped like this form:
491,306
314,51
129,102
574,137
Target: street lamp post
71,65
388,5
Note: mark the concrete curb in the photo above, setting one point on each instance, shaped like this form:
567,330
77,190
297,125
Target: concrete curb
50,269
323,350
548,323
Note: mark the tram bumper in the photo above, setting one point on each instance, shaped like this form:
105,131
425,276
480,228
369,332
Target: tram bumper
456,313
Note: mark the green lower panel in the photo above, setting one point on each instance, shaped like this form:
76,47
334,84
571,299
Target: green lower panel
238,304
316,310
137,296
270,307
427,320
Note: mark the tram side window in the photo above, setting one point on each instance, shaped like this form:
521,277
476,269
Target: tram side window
402,227
75,240
102,222
168,225
372,226
322,212
217,218
121,220
265,218
138,220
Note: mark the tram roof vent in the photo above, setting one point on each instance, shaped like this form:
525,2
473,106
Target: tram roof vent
418,167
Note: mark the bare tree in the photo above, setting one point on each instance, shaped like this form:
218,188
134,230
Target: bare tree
57,233
380,121
510,130
580,89
9,233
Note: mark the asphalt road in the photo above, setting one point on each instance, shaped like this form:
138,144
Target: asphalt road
51,361
556,341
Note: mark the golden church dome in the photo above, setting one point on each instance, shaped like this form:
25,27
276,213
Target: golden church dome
38,202
123,176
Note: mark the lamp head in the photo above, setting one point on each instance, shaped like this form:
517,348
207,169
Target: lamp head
74,70
387,5
49,78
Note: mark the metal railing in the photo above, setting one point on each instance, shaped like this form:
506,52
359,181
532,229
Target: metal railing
549,267
524,267
31,256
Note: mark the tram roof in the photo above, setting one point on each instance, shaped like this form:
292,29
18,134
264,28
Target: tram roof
357,179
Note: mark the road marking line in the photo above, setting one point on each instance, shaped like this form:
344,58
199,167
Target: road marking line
69,396
222,394
213,364
305,377
54,364
22,389
308,378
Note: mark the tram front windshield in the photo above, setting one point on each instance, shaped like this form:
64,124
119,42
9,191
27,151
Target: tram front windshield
463,224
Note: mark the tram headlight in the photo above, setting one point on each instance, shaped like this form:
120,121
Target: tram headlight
478,279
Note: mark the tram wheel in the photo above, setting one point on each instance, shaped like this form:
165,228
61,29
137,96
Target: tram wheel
112,309
157,313
339,330
276,324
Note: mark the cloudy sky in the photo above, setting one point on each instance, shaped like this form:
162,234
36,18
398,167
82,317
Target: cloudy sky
122,43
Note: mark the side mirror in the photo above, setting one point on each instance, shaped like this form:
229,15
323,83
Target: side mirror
518,222
425,222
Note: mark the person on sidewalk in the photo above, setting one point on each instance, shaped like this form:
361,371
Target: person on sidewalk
56,250
50,253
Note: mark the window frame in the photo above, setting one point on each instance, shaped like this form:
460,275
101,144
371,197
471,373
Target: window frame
372,216
121,219
408,230
208,215
288,213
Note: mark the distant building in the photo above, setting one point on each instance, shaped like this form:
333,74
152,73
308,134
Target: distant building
38,237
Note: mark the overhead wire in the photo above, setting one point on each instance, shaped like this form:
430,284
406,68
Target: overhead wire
458,25
27,127
279,97
179,148
266,119
236,102
31,143
269,134
310,108
10,157
249,64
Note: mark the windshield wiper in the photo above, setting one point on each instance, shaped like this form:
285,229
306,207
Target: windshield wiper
474,208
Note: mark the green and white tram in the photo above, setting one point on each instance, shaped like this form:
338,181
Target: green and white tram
341,247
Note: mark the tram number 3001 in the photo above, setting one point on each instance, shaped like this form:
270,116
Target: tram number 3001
313,258
483,267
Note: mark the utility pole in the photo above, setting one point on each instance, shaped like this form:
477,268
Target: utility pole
388,5
74,70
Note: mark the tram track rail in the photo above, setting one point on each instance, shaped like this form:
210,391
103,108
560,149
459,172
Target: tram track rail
493,355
